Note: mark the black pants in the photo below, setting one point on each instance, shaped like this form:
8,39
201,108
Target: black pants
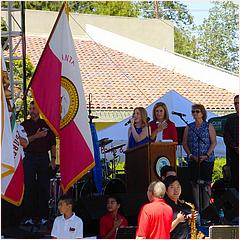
201,191
204,173
37,183
234,167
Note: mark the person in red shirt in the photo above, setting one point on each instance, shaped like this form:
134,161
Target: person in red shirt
161,127
110,222
155,218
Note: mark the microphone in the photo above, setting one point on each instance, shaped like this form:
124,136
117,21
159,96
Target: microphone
179,114
129,121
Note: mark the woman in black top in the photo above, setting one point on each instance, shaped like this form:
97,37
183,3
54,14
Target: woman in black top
181,211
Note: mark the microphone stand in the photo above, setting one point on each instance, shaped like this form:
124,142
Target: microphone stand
199,182
90,124
149,135
89,108
149,142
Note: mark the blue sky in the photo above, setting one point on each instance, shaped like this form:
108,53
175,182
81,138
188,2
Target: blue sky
198,9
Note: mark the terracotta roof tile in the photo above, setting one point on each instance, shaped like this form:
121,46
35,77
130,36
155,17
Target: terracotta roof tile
119,81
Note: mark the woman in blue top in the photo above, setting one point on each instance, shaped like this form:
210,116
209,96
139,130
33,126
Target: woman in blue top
138,132
200,161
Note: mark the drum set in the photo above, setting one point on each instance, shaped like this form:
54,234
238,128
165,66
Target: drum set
111,183
85,187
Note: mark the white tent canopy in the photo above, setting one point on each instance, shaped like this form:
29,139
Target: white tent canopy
175,102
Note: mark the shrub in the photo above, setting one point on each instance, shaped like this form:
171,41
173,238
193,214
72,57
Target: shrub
217,170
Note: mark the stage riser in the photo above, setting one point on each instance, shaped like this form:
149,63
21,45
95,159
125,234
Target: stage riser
183,175
11,215
224,232
92,209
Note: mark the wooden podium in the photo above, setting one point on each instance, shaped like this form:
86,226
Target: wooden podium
143,163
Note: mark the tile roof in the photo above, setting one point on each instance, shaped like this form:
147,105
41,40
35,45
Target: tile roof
119,81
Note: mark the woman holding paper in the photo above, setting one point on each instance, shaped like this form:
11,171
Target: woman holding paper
161,127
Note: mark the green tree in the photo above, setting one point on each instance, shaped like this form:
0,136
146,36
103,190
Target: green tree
113,8
18,93
3,28
167,10
185,43
37,5
18,68
218,37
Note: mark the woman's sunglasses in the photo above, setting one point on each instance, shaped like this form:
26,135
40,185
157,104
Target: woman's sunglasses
196,111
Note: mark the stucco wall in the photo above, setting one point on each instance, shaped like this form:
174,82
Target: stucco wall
153,32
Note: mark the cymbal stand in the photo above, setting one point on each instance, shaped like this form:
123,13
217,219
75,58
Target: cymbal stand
75,191
55,193
105,166
114,163
180,155
116,160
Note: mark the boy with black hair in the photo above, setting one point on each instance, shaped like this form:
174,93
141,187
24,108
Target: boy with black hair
167,171
112,220
68,225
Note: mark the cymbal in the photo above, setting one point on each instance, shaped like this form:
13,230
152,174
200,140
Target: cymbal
104,141
114,148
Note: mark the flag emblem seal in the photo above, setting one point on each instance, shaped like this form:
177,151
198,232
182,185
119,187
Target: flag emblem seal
69,101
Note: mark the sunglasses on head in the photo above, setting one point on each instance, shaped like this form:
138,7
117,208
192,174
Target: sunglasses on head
196,111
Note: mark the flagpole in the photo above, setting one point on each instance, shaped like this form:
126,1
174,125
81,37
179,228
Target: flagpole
56,80
53,29
24,59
